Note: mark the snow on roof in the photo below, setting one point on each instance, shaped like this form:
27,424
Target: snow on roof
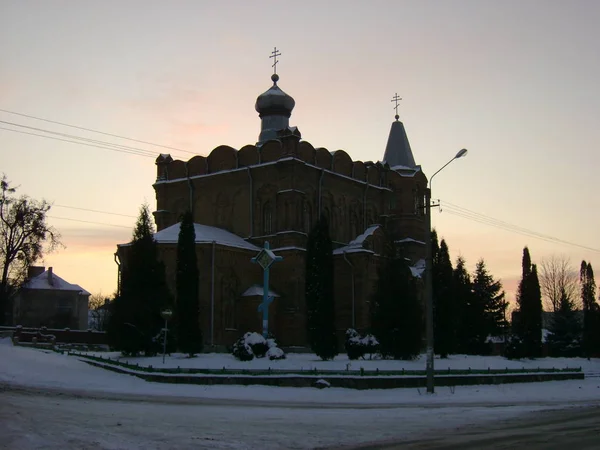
402,241
258,290
204,234
42,282
418,269
356,245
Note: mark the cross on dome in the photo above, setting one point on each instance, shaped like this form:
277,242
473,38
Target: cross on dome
274,54
396,99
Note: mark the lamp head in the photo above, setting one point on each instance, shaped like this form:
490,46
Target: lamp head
461,153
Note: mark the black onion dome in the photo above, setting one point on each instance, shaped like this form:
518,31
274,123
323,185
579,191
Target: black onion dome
274,101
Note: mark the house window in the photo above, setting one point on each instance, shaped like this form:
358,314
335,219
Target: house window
267,218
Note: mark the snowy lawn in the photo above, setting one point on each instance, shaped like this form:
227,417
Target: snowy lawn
307,362
36,368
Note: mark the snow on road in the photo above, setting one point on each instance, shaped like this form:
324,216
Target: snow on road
54,401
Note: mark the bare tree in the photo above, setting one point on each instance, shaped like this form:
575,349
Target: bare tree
557,275
25,237
98,305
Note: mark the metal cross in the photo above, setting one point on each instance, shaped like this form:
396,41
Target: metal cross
396,99
274,54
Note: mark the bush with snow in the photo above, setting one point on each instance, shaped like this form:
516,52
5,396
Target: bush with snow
252,345
275,353
358,346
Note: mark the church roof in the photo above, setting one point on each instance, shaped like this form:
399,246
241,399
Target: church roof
274,101
356,245
204,234
397,150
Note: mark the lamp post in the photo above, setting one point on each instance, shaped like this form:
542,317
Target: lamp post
429,279
165,314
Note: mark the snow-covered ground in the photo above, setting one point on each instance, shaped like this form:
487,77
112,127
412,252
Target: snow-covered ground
308,361
32,367
54,401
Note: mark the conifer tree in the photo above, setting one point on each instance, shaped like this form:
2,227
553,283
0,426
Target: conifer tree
591,321
489,297
135,321
565,330
470,313
445,307
189,334
529,300
397,315
319,291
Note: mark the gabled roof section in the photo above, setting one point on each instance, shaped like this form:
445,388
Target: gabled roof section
204,234
48,280
397,150
357,244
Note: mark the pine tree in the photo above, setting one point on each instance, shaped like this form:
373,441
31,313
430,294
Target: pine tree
319,291
445,308
470,313
189,334
529,300
565,331
135,321
489,297
396,314
591,319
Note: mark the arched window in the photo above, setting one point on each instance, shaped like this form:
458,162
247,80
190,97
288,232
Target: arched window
307,217
267,218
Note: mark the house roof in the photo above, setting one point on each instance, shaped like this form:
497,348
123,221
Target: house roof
42,282
204,234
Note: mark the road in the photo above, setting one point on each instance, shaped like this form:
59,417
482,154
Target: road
575,428
52,419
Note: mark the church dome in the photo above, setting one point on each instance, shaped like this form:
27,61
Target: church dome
274,101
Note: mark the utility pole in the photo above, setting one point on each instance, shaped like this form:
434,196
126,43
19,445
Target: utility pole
429,280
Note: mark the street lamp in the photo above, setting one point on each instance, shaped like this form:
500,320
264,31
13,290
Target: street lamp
165,314
428,278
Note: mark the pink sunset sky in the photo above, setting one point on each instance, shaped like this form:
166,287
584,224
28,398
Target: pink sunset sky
514,82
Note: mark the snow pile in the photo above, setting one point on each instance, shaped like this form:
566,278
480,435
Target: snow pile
252,345
358,346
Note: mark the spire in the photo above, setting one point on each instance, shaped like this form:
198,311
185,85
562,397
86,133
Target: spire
274,107
397,150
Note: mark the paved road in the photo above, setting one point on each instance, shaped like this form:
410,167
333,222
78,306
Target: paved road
573,428
53,419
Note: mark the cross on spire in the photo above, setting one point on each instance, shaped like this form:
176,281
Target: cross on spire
274,54
396,99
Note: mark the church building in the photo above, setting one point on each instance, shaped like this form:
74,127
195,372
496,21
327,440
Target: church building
274,191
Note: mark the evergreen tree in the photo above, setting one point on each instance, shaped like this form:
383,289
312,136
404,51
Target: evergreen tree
470,313
489,297
565,331
319,291
189,334
397,315
445,307
529,300
135,321
590,309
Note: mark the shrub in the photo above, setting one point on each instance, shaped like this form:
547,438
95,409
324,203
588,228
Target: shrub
358,346
242,351
275,353
514,348
252,345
